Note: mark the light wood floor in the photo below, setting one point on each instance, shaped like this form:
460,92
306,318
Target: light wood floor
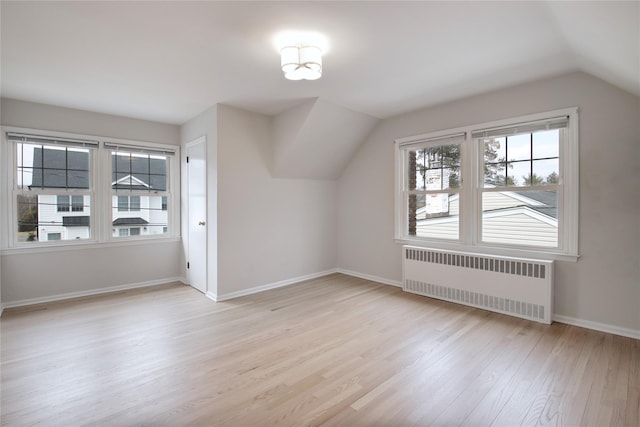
335,351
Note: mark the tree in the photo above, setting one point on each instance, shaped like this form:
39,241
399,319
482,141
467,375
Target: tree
533,179
502,181
553,178
27,213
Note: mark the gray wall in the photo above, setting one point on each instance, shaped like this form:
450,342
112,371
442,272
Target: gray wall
80,269
269,229
604,285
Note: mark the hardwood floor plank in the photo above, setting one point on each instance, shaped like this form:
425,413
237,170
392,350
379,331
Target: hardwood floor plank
332,351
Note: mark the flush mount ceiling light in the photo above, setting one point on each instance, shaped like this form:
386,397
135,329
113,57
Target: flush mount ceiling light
301,62
301,54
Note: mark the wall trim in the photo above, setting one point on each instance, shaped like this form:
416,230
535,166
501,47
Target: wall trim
597,326
211,296
370,277
99,291
281,283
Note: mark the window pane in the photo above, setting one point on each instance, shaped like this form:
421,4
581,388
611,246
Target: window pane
139,164
123,203
519,147
495,149
40,218
518,173
134,203
527,218
77,203
434,168
27,211
132,171
62,203
43,166
547,171
494,161
546,144
434,215
146,214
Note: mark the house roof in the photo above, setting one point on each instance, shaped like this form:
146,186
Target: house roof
548,199
169,61
70,169
138,173
130,221
60,169
75,221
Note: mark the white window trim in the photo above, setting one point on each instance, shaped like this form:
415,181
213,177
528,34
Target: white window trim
470,215
100,192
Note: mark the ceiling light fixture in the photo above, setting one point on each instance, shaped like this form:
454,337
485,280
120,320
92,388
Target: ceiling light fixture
301,62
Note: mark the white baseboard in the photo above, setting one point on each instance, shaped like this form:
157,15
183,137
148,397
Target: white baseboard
597,326
370,277
244,292
211,296
89,292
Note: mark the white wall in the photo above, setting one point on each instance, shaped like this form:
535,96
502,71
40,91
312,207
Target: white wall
205,124
603,287
269,229
40,275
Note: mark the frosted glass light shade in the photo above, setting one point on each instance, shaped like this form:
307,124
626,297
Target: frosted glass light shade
301,62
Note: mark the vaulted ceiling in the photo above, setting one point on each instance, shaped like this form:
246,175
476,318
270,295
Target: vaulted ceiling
169,61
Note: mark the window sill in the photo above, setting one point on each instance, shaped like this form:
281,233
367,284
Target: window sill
490,250
75,246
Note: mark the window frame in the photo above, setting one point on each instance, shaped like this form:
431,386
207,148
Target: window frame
471,190
11,191
99,192
172,173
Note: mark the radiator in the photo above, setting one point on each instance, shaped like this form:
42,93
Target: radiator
514,286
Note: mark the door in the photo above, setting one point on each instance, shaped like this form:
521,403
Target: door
196,163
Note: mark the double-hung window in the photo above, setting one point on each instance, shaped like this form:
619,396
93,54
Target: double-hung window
504,187
53,189
65,189
140,190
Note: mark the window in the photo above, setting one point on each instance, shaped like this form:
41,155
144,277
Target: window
433,183
63,203
504,186
52,177
140,189
57,179
77,203
128,203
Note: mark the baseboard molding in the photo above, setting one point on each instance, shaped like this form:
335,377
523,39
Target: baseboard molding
211,296
597,326
90,292
370,277
244,292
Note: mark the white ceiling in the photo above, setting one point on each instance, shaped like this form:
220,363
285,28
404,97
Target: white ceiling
169,61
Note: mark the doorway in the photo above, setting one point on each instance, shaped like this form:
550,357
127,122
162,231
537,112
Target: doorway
196,228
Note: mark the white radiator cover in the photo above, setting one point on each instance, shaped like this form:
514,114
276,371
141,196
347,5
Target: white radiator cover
515,286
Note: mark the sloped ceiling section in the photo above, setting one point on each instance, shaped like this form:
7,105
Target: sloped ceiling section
316,139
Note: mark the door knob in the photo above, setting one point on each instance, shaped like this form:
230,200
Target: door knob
201,223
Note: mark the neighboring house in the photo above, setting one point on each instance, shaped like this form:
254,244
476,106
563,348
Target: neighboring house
135,212
529,215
